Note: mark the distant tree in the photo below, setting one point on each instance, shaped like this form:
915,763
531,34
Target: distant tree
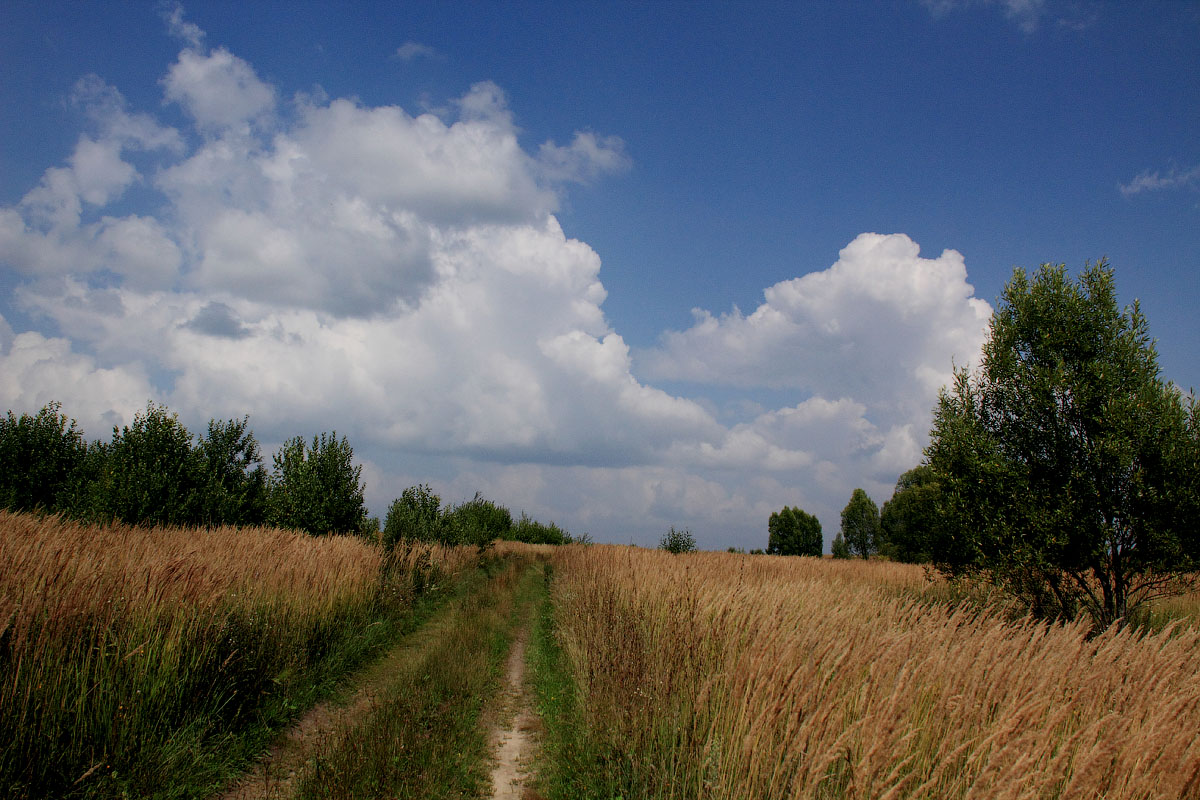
677,541
758,551
40,459
910,523
317,488
149,474
416,515
794,532
840,548
233,487
529,530
1069,470
478,522
860,524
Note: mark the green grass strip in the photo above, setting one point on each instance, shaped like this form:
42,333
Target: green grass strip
423,738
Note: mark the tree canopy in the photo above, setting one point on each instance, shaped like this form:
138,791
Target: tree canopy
794,532
860,524
1068,468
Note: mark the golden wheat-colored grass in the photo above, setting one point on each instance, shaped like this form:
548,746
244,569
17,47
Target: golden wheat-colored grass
122,648
719,675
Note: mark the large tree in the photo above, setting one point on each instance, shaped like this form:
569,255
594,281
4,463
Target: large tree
1067,467
860,524
794,532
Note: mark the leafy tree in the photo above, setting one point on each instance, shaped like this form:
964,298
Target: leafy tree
674,541
317,488
1068,468
416,515
149,474
40,459
234,481
840,548
910,525
478,521
533,532
860,524
794,532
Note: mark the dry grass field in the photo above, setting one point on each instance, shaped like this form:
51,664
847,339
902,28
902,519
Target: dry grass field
126,651
721,675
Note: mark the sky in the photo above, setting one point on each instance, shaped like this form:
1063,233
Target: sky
621,266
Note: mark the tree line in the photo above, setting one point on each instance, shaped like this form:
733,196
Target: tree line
1064,470
154,471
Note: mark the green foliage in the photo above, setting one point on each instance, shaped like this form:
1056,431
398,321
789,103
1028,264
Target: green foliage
794,532
1068,468
860,524
40,460
531,531
233,479
316,488
149,474
680,541
910,524
840,548
416,516
478,521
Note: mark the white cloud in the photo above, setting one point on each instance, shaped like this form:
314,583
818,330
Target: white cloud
219,90
882,325
1027,14
1175,178
410,51
326,264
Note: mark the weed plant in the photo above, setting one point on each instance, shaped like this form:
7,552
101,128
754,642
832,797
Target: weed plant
149,661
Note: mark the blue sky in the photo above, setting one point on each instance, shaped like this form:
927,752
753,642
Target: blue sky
624,266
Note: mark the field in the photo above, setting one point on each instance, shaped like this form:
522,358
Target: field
162,662
717,675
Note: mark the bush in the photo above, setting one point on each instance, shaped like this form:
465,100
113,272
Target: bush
674,541
40,460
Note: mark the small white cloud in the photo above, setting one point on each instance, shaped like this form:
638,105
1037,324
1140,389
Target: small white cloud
189,32
1147,181
586,158
410,51
1027,14
219,90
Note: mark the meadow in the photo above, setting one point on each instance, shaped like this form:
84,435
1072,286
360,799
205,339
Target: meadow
147,661
730,676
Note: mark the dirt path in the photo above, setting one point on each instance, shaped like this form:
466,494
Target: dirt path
276,773
514,740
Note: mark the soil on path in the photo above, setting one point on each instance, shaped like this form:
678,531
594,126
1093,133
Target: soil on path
514,740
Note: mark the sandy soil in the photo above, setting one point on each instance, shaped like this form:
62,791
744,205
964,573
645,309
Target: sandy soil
514,740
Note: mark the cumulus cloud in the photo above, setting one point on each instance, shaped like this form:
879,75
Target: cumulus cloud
321,263
882,324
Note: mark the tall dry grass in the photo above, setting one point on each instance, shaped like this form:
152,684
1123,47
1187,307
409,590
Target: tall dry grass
123,651
717,675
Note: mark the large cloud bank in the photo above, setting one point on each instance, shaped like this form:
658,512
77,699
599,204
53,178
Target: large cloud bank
318,263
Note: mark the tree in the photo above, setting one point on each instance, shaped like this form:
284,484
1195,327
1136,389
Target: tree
860,524
233,490
680,541
149,474
1068,468
40,458
794,532
416,515
478,522
910,525
840,548
317,488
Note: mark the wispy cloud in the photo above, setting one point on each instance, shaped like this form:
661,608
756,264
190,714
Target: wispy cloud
410,51
1153,181
1027,14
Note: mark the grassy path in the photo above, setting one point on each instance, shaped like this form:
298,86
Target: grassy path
515,740
416,722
